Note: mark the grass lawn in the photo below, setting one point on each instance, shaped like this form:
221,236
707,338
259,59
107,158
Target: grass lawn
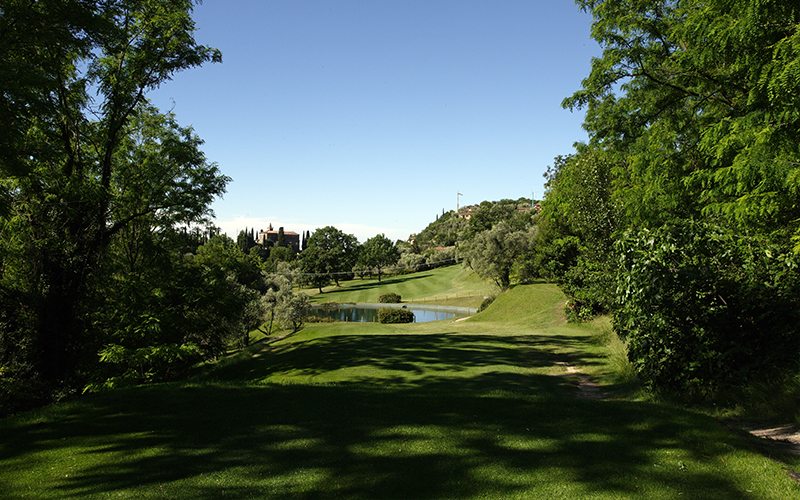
485,407
450,285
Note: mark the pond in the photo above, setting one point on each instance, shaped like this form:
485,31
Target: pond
368,313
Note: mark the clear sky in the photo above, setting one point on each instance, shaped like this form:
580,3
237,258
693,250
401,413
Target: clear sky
371,115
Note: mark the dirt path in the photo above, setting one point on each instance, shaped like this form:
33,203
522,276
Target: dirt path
586,388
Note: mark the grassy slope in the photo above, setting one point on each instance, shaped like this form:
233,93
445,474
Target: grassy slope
467,409
445,285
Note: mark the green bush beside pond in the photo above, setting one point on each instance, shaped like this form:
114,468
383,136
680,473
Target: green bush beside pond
395,315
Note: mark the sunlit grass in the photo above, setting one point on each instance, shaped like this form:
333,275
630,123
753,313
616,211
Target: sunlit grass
451,285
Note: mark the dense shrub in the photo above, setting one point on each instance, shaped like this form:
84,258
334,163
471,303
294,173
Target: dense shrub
487,301
704,310
389,298
395,315
441,257
589,287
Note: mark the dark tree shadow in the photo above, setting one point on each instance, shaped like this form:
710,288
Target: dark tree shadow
498,433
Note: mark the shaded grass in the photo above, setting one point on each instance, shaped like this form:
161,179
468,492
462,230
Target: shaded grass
434,440
467,409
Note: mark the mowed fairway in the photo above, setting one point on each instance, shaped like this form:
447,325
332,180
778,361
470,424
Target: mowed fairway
450,285
485,407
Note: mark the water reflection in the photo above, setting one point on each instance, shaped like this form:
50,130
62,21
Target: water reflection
368,313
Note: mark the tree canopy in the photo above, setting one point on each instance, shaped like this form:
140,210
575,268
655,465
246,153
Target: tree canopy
378,252
684,200
95,181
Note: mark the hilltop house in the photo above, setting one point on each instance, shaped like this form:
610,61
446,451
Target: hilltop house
291,238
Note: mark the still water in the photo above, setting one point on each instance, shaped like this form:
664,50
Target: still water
368,313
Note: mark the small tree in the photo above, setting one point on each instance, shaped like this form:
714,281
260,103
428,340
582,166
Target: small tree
314,266
293,311
378,252
493,253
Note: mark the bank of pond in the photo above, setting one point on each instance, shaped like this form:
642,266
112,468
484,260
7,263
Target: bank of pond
368,313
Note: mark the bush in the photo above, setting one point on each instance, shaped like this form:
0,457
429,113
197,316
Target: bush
389,298
704,309
395,315
487,301
589,287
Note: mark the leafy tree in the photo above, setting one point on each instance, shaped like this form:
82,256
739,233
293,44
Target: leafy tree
339,251
314,266
694,105
292,312
80,172
277,256
377,253
279,299
699,102
173,310
574,246
494,252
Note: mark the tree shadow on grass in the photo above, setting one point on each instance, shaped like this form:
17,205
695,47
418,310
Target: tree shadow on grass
412,355
436,416
370,285
438,439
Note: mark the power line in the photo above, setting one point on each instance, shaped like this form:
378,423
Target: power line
388,269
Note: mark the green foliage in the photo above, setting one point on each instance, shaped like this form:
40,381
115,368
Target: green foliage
692,113
170,310
331,256
487,301
704,309
146,364
377,253
489,214
445,231
438,257
314,264
293,310
92,175
697,102
589,286
411,262
493,253
395,315
389,298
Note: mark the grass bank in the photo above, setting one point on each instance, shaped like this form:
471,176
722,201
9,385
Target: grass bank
486,407
450,285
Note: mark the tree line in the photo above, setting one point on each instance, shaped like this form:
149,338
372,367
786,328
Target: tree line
111,271
680,216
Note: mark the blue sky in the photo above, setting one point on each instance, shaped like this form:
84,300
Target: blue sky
371,115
